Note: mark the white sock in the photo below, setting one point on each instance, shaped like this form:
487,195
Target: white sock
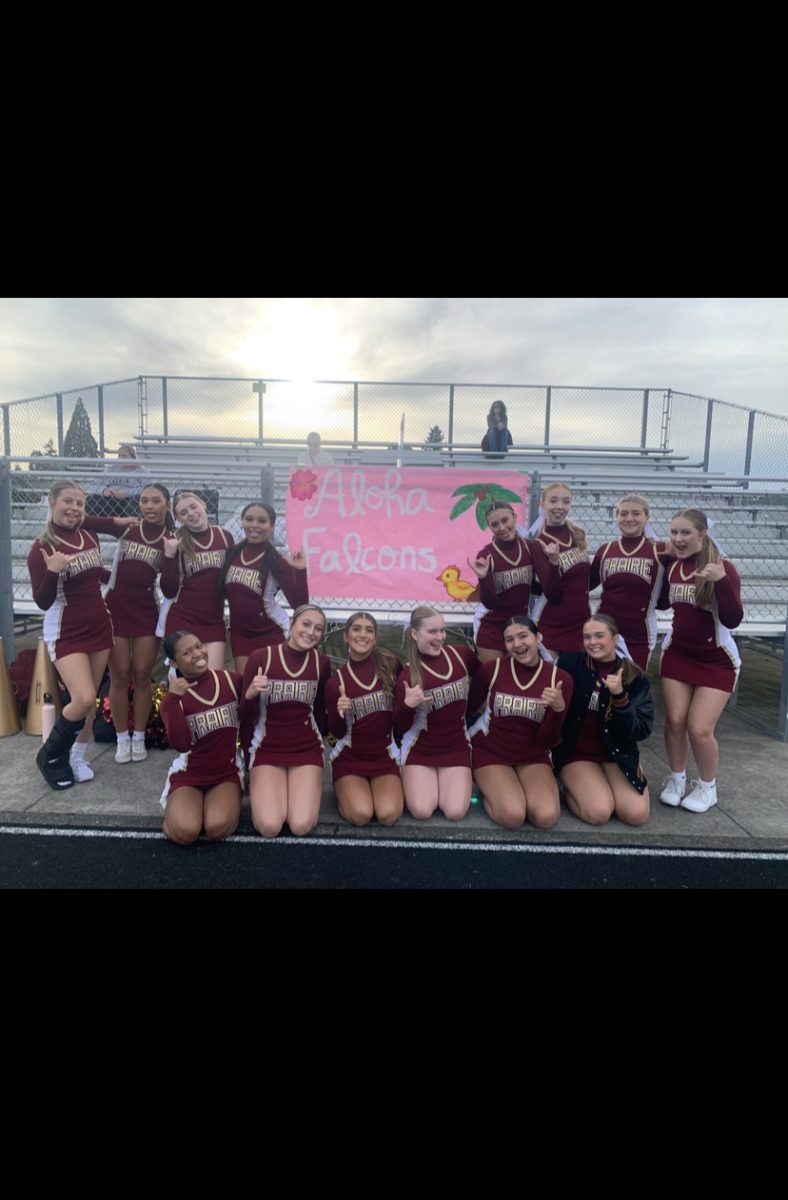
78,749
679,776
124,737
712,785
138,737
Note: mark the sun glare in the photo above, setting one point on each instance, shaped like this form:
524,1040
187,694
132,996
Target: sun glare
296,339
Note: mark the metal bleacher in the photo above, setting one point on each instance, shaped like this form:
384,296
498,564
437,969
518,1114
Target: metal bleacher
750,514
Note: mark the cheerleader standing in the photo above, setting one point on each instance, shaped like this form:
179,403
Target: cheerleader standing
201,714
611,710
287,680
699,663
523,699
631,573
505,573
359,702
252,574
430,701
189,576
561,563
131,600
66,573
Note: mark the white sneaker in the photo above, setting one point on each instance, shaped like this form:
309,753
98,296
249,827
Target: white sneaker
123,751
138,751
672,791
82,772
701,798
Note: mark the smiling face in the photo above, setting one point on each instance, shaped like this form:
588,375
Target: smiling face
631,518
191,657
68,507
598,642
501,522
192,513
430,635
257,524
522,644
360,638
307,630
153,506
557,502
685,537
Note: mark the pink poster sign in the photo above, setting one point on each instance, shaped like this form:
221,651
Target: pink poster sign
388,533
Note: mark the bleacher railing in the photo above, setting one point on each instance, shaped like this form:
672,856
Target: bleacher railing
709,433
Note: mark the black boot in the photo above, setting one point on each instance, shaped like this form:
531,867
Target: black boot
52,758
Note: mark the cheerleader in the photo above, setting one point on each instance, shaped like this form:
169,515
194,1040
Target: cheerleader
561,563
66,572
359,702
523,700
699,663
630,571
287,680
201,714
131,600
505,574
189,573
610,712
430,700
252,574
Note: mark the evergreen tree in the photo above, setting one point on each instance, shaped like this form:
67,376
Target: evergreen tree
434,438
49,452
79,441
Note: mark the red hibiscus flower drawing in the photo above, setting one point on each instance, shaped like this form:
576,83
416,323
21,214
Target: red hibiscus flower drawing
303,484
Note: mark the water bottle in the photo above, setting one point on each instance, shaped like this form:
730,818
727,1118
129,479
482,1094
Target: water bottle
48,715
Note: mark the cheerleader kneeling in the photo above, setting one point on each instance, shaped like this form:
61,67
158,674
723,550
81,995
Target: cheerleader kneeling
202,715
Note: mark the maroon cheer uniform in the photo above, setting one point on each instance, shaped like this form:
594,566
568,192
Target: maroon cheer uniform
131,598
434,734
190,582
563,609
505,590
631,575
699,648
515,726
290,719
255,618
77,620
203,724
365,741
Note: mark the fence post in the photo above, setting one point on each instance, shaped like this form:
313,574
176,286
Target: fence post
6,562
534,493
6,430
165,415
782,715
450,437
548,402
644,422
707,447
355,416
748,451
59,401
101,418
267,484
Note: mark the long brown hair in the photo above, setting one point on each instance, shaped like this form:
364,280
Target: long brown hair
708,553
47,536
384,661
631,670
576,532
411,651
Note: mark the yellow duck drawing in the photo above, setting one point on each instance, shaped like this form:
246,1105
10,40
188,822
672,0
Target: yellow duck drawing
457,588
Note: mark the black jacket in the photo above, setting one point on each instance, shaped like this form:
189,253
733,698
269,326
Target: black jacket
623,721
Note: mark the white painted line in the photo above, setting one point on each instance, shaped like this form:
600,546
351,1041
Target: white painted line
415,844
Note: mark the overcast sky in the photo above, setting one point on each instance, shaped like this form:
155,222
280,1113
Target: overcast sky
729,349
